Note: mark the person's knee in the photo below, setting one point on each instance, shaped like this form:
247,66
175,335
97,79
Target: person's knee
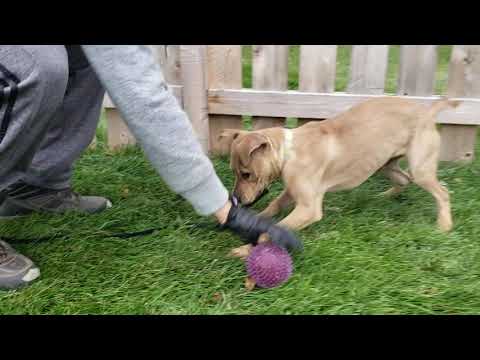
51,70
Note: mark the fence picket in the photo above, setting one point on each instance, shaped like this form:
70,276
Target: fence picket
224,72
270,72
417,70
368,69
317,70
193,63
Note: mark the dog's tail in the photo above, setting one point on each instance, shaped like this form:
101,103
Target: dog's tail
441,105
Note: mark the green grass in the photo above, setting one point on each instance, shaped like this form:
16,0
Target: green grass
369,255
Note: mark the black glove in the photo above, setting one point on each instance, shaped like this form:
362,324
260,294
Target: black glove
250,226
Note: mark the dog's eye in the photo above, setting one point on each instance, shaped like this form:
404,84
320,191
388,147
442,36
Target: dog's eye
245,176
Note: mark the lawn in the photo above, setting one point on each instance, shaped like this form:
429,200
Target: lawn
369,255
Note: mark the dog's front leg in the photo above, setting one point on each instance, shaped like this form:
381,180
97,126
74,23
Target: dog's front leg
277,205
304,214
301,217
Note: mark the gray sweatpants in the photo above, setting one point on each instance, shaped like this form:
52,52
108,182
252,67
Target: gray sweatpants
50,103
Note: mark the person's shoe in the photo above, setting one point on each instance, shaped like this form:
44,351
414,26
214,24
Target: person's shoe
23,199
16,270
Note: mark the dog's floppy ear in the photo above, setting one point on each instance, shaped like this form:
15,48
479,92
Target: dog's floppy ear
227,136
252,144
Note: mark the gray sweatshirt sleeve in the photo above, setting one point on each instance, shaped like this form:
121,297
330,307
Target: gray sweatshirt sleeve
134,81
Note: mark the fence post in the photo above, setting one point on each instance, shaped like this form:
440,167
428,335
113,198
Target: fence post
193,64
224,63
270,72
317,70
458,141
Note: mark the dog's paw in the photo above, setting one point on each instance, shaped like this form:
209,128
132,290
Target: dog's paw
390,193
445,225
241,252
249,283
263,238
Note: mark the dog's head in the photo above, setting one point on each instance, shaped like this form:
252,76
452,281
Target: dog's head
254,162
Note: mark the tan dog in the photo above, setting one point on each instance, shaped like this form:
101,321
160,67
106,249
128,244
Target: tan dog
338,154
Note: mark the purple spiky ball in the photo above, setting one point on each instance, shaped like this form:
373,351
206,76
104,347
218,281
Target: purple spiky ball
269,265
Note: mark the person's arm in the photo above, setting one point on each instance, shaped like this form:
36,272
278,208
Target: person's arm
134,81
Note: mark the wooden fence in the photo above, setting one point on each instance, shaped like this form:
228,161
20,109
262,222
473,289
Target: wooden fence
207,80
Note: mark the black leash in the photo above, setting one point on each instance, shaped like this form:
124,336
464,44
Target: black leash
206,225
124,235
120,235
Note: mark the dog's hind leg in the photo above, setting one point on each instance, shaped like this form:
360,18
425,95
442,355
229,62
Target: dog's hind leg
423,161
399,178
440,193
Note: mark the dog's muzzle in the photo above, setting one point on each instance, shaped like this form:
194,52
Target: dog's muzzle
264,192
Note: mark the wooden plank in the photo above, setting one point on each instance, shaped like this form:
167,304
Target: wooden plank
224,66
458,141
118,134
368,69
193,64
317,72
417,70
270,72
320,106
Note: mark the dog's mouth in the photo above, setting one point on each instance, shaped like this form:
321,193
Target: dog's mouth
259,197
